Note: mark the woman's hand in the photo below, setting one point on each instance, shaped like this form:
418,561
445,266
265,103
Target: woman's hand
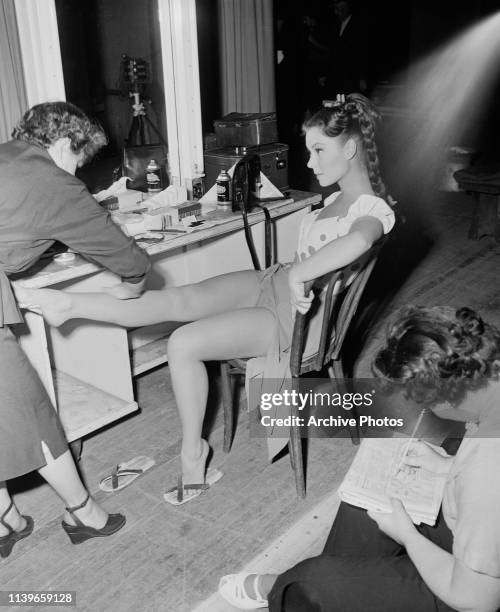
126,291
299,300
421,455
396,524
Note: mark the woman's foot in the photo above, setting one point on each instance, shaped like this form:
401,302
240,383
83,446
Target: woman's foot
79,531
247,591
54,305
91,515
195,479
13,527
194,464
14,520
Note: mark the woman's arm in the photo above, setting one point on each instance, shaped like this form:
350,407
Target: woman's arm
73,217
453,582
340,252
448,578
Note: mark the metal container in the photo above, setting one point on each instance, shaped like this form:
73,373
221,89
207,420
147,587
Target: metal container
273,162
246,129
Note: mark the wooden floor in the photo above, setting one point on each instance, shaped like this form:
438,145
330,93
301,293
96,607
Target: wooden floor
170,559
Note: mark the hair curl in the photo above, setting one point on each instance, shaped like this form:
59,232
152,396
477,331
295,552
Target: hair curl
438,354
44,124
355,117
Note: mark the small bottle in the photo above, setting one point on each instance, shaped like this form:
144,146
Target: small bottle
153,177
223,183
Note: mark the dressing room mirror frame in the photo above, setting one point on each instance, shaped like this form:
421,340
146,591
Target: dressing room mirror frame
43,71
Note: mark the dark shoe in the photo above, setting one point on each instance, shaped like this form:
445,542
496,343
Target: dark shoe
80,532
7,542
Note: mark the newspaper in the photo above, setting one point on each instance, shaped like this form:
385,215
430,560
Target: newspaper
379,473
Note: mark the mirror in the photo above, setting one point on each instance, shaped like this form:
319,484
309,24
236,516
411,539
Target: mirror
111,56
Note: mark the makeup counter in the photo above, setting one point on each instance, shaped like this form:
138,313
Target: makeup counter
88,367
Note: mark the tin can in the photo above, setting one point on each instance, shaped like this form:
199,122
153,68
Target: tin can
153,177
223,183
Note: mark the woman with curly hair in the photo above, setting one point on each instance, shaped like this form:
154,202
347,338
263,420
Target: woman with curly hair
373,561
248,313
41,201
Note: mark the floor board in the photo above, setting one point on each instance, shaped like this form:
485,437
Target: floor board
170,559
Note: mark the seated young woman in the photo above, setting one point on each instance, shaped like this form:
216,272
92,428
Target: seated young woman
374,561
225,312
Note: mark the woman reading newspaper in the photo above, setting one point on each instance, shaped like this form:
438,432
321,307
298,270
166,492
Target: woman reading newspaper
380,561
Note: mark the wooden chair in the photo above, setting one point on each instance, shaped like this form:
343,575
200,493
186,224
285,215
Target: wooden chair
339,311
483,181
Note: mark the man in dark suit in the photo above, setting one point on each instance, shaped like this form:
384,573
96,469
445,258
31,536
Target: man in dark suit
348,66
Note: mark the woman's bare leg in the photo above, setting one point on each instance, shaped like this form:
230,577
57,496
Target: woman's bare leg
224,336
62,476
187,303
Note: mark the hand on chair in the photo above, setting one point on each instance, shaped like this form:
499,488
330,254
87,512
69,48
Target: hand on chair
300,301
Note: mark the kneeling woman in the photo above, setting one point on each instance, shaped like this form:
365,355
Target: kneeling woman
380,561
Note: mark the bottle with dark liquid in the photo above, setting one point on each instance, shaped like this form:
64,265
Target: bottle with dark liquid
153,177
223,183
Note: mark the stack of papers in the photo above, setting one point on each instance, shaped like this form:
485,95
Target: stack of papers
378,473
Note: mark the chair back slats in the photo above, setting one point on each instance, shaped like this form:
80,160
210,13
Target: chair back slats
297,348
329,321
349,307
339,310
300,325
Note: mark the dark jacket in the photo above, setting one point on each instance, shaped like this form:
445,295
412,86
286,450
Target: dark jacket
41,203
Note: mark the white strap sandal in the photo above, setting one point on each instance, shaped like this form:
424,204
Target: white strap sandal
232,589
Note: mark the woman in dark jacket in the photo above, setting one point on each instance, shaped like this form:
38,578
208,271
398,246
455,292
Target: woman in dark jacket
41,201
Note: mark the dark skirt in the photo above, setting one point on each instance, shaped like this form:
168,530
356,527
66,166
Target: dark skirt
360,570
27,416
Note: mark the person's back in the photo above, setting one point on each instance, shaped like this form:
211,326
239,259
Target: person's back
28,205
42,201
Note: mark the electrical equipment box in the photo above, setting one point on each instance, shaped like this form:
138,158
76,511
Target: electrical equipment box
273,162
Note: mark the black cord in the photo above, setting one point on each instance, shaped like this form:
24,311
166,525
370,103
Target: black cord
241,194
249,239
268,236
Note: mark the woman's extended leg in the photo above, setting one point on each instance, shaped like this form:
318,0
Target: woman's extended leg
62,476
187,303
246,332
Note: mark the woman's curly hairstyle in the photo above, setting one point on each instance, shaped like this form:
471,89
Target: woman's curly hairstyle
355,116
438,354
44,124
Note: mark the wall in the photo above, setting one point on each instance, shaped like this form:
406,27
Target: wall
208,58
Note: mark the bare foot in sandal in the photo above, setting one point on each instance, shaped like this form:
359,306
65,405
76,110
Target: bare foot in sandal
195,477
193,466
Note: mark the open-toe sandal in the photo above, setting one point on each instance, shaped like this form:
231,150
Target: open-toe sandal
183,493
232,589
125,473
80,532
